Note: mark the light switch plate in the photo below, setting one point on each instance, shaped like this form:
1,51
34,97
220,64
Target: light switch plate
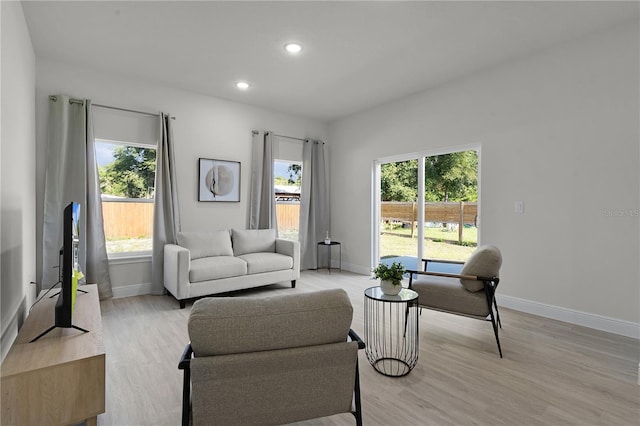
519,207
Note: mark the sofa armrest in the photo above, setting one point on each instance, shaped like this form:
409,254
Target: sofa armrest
177,262
290,248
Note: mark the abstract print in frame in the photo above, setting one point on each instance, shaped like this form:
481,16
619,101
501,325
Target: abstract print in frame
218,180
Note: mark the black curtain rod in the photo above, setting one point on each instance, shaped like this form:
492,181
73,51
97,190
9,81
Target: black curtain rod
255,132
80,101
130,110
290,137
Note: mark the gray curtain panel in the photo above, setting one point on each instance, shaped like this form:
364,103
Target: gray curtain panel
166,214
71,175
97,260
262,207
314,202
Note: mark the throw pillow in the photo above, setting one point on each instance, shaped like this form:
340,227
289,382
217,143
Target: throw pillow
253,241
485,262
206,244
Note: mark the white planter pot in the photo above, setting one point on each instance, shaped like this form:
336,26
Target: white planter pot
389,289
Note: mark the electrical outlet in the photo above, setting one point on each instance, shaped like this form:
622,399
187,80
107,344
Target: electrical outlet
519,207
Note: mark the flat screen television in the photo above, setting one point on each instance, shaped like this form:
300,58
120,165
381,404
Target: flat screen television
70,273
69,269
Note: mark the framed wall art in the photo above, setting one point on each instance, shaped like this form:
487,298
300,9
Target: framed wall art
218,180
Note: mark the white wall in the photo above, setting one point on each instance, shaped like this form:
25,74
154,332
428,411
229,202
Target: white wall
17,180
204,127
559,131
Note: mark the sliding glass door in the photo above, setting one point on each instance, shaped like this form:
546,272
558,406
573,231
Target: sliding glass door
426,206
398,206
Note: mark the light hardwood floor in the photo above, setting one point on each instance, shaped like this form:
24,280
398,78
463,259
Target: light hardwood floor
552,373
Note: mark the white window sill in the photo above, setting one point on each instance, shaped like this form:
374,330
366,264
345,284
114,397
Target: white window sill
132,257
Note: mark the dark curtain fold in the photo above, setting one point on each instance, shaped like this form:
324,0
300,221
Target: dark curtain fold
262,208
166,214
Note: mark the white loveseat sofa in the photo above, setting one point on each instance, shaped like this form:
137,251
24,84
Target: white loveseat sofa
205,263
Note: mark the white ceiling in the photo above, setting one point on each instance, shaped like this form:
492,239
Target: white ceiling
356,54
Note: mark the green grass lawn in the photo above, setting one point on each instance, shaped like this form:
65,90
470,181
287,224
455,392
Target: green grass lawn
440,243
129,245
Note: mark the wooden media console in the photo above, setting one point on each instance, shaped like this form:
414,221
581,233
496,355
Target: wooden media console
60,378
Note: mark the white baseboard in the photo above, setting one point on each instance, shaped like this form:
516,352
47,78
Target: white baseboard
597,322
9,335
131,290
356,269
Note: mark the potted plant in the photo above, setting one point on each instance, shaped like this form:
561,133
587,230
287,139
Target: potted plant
390,277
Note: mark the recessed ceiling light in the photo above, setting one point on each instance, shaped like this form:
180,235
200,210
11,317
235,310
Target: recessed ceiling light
292,47
242,85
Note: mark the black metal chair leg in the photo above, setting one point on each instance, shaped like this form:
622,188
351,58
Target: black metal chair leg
356,395
185,365
497,312
489,292
495,331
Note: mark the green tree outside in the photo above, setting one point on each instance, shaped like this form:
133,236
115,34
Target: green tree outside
131,174
399,181
295,174
448,177
451,177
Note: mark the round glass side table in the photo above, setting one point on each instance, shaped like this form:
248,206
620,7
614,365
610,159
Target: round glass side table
391,331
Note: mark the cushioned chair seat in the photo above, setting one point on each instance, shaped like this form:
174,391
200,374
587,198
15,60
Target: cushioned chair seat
266,262
448,294
213,268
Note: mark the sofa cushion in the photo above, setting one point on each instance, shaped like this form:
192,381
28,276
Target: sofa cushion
206,244
253,241
266,262
485,261
213,268
229,325
448,294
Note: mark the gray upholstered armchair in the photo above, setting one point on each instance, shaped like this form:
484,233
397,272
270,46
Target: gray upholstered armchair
268,361
470,293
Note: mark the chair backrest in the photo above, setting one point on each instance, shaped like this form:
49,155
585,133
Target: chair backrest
485,261
273,360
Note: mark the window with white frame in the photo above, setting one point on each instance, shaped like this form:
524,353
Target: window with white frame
127,178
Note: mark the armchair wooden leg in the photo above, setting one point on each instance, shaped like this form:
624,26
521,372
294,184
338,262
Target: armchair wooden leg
293,283
497,313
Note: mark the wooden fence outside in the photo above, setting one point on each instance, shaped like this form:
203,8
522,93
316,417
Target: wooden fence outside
288,214
127,219
133,219
461,213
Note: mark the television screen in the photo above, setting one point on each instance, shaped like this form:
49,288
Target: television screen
70,271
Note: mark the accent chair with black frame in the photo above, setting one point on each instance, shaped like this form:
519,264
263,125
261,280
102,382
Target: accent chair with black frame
269,361
470,293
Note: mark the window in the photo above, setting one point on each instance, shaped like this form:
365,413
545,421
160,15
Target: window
127,177
287,182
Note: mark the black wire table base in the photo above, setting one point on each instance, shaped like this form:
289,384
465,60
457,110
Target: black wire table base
391,331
